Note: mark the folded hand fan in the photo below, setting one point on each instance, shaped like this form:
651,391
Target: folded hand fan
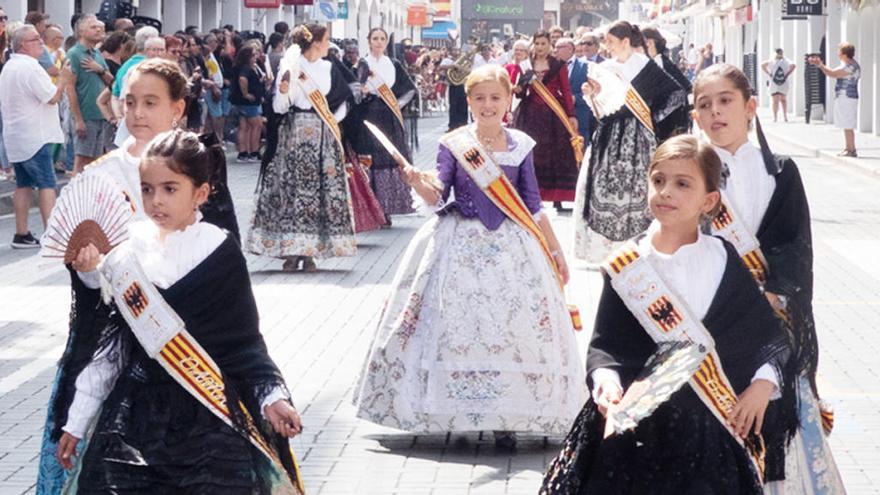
92,209
665,372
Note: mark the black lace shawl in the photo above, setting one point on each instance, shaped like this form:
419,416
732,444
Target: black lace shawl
787,242
747,334
217,305
665,97
89,325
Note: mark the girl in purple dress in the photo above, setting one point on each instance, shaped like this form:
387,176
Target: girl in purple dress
476,335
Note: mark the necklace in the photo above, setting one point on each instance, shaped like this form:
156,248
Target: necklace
488,141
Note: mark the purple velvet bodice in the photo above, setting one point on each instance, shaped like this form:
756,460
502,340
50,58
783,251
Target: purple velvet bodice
470,201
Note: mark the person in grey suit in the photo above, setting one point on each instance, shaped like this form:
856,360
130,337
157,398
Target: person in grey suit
577,76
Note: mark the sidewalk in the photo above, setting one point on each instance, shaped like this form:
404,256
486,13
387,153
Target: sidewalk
823,141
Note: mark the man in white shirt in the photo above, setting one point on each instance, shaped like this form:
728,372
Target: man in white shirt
28,100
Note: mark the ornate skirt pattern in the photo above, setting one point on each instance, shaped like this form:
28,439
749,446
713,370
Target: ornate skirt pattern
303,207
475,336
809,465
611,203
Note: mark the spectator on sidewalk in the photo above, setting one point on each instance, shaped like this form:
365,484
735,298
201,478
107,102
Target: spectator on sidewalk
30,128
117,49
40,21
707,58
247,95
5,168
591,49
846,93
90,76
778,69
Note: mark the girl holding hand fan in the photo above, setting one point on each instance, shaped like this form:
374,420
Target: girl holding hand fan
154,103
151,426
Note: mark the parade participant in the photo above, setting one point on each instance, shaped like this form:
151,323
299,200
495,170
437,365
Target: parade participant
154,103
303,210
458,111
767,217
521,63
677,285
150,425
387,89
546,113
612,199
476,335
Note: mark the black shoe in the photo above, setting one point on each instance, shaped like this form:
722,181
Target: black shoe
505,440
256,157
24,241
243,158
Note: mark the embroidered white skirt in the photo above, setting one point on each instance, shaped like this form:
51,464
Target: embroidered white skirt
475,336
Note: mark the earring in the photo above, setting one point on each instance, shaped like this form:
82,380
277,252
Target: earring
174,124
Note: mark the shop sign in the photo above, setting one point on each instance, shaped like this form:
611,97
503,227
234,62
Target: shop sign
800,8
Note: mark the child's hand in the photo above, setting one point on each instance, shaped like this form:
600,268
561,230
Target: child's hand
87,260
66,450
284,418
609,395
751,407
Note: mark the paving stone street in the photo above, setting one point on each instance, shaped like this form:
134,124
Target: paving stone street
318,327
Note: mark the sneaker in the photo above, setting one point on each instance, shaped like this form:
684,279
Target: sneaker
850,153
256,157
24,241
243,158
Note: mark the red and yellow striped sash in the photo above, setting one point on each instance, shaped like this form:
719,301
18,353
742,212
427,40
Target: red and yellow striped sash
322,108
164,337
639,108
577,141
665,317
474,160
388,97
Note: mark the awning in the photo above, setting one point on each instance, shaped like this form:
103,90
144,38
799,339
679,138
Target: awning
440,30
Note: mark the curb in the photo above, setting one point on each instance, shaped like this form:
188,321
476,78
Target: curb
854,164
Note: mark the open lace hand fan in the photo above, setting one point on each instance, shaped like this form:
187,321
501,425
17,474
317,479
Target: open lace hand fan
92,209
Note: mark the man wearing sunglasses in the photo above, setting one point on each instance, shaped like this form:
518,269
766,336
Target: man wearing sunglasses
589,44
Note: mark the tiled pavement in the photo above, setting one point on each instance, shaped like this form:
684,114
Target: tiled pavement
318,327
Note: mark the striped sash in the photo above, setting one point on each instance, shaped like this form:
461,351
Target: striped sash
639,108
666,317
577,141
729,225
164,337
376,83
322,108
487,174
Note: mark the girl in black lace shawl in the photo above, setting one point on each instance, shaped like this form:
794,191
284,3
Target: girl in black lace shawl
152,436
767,192
681,448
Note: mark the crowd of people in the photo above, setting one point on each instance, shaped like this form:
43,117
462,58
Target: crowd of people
166,384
